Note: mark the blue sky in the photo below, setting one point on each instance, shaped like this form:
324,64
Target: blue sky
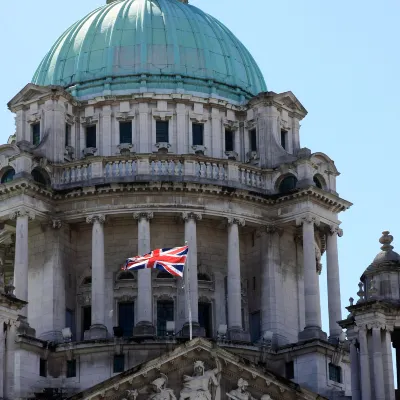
339,58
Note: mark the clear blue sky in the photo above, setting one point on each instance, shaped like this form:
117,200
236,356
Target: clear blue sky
340,58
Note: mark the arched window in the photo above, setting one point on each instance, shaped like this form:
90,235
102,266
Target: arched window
40,176
8,175
125,275
164,275
319,181
87,280
201,276
288,184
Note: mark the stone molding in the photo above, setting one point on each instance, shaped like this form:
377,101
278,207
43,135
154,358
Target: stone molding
23,212
308,219
186,216
143,215
236,220
100,218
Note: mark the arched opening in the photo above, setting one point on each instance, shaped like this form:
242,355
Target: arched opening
319,181
8,175
288,184
40,176
125,275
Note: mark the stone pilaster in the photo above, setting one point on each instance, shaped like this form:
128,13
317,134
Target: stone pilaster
311,285
355,371
190,276
387,362
364,364
333,279
379,384
98,329
144,326
235,325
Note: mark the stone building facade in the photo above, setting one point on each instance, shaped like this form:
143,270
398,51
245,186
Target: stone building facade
149,124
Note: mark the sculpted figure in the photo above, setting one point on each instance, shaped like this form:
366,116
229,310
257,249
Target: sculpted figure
241,392
131,395
160,391
197,387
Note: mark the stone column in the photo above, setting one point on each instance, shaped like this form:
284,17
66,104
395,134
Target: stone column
334,302
364,365
191,219
98,329
355,371
397,347
378,367
235,326
2,356
388,364
144,326
311,285
9,364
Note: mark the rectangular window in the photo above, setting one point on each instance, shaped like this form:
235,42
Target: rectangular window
162,132
119,363
205,318
284,135
91,136
86,319
36,133
165,312
71,369
126,318
70,322
335,373
254,283
125,132
228,140
67,135
198,134
289,370
255,326
43,367
253,140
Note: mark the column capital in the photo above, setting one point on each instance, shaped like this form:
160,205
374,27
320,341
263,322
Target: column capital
307,219
22,212
191,215
100,218
143,215
235,220
335,230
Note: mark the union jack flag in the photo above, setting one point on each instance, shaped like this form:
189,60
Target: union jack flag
169,260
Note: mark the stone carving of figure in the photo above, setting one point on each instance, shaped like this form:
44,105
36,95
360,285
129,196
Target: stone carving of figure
131,395
160,390
241,392
197,387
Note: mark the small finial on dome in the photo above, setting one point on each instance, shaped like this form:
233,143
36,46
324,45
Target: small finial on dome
386,241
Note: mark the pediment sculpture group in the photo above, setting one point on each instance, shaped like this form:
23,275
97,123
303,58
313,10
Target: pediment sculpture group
202,385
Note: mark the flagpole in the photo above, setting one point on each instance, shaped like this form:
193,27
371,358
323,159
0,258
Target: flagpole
189,297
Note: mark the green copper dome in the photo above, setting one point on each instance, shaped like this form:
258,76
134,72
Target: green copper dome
161,46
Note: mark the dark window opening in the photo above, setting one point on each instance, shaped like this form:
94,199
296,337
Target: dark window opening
288,184
71,368
126,318
317,182
87,280
243,320
119,363
203,277
165,312
255,326
67,134
284,136
205,318
335,373
70,322
229,140
253,140
36,133
8,176
91,136
39,177
126,275
125,132
164,275
162,131
86,319
254,283
289,370
198,134
43,367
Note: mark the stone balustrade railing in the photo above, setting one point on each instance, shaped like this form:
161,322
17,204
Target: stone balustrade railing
98,170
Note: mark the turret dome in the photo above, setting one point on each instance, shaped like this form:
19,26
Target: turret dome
161,46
